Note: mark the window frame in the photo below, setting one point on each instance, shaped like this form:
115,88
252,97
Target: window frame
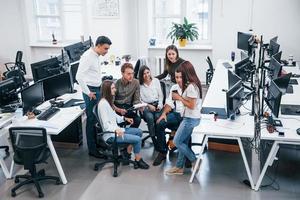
183,12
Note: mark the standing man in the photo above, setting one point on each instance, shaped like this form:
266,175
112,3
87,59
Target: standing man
89,79
128,94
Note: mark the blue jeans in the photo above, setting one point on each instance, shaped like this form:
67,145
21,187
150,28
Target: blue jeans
181,140
90,118
132,136
172,123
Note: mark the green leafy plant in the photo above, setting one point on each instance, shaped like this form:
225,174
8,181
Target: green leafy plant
186,30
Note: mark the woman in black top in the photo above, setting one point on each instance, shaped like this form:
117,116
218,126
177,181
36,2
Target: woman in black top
172,63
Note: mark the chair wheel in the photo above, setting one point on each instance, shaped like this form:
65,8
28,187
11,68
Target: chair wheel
13,194
17,180
96,168
41,195
58,182
42,172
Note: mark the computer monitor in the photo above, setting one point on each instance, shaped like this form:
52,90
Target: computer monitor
73,72
274,98
243,41
277,56
57,85
232,79
243,69
63,59
274,39
32,96
243,55
74,51
273,47
283,82
8,93
45,68
275,68
234,99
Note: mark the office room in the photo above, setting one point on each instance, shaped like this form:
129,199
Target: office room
149,99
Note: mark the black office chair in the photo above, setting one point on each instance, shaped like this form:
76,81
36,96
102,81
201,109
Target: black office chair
30,148
18,76
18,64
163,89
209,71
111,148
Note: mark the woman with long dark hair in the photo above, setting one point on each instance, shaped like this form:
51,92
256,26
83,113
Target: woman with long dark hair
109,121
171,64
191,98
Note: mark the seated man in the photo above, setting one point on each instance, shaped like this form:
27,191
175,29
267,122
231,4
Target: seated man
170,118
127,95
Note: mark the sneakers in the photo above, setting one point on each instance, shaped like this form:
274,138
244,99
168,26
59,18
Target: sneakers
159,158
174,171
140,164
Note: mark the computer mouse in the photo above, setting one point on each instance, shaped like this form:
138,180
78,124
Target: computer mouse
298,131
36,112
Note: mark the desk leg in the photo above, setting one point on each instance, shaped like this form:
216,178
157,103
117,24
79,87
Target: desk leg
245,162
4,168
269,160
56,160
204,143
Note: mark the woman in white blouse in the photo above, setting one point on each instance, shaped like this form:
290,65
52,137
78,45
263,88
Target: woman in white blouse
109,121
151,94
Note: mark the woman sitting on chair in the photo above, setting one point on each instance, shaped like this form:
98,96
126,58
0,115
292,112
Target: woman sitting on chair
109,120
151,94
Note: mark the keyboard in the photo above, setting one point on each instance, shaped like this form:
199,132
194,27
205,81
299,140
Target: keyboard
47,114
287,109
227,65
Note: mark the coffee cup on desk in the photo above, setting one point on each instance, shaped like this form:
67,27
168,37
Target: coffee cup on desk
290,60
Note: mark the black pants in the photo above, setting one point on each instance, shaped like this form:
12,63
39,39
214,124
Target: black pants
130,114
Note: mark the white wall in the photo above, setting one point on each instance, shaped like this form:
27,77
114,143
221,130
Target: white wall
12,36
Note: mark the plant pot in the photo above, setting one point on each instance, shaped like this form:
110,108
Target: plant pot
182,42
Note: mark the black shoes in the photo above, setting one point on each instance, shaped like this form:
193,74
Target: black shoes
140,164
97,154
187,164
126,157
159,158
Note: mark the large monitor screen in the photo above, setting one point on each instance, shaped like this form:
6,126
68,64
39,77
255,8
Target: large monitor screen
32,96
45,68
274,98
57,85
234,99
243,41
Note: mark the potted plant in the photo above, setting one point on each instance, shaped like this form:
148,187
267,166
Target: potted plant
183,32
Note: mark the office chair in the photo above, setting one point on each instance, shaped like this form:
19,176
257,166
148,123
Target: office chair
163,89
140,62
18,76
18,64
111,148
30,148
209,71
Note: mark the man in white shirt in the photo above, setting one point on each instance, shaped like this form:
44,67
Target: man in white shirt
89,79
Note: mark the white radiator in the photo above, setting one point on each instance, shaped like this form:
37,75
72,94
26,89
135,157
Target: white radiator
159,64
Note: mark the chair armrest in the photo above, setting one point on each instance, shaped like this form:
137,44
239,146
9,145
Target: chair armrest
9,63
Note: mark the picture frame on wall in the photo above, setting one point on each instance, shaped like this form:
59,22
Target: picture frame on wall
106,9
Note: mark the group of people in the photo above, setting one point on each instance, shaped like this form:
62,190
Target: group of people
180,113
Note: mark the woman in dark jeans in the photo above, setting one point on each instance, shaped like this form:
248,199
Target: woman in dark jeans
151,94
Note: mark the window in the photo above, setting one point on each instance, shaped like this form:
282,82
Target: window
167,11
63,18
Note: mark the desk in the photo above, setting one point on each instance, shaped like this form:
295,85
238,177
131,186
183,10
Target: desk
53,126
290,124
242,126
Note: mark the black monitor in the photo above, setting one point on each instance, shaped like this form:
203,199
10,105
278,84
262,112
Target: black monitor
32,96
234,99
243,69
57,85
283,82
243,40
8,93
73,72
273,47
45,68
74,51
232,79
275,68
274,98
277,56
